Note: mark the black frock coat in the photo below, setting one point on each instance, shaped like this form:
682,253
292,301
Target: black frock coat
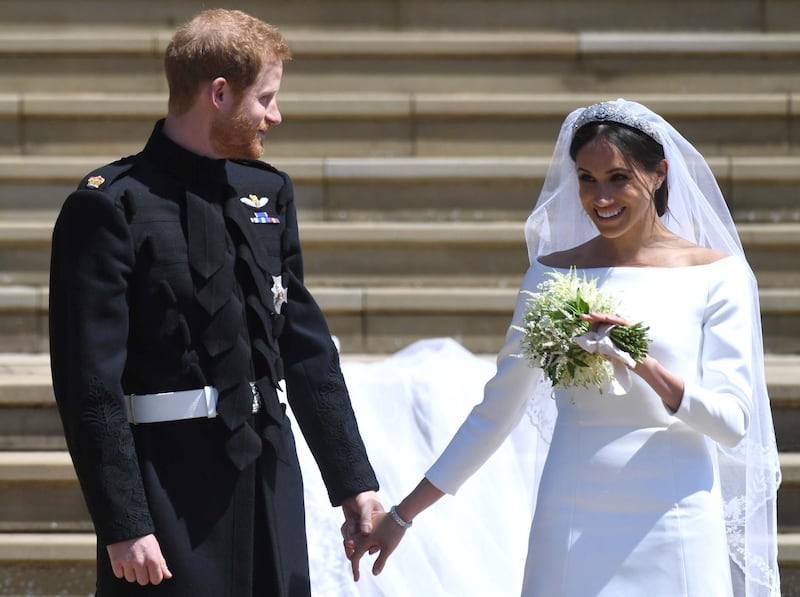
164,274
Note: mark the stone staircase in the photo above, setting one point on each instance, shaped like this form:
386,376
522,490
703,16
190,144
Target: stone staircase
417,133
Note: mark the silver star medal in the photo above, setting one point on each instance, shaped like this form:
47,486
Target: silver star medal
279,294
254,200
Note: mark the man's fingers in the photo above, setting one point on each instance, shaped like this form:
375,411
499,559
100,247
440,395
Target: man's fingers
350,527
349,548
366,523
354,561
158,571
163,570
119,571
130,574
357,550
154,573
361,525
139,574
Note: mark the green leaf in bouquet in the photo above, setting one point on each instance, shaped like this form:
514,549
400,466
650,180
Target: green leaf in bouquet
581,306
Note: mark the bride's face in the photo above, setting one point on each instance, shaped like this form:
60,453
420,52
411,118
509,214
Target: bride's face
615,192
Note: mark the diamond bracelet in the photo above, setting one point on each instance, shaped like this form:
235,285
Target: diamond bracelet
399,519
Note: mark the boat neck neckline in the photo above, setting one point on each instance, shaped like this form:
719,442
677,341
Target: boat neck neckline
637,267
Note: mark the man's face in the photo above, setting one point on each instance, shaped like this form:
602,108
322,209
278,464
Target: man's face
239,128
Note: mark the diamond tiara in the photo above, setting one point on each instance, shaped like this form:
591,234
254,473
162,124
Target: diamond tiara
614,112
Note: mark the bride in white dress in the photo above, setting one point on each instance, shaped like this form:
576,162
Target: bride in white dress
670,488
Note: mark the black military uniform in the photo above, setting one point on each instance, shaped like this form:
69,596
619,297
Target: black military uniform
172,271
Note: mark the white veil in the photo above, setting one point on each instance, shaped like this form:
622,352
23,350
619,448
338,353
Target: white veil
749,472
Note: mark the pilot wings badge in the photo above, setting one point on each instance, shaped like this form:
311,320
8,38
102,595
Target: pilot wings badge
254,201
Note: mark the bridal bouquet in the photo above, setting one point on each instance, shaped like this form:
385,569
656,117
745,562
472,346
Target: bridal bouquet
553,321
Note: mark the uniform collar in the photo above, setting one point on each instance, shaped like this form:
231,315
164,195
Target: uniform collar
195,171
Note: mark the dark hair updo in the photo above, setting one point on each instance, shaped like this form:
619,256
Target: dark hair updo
633,144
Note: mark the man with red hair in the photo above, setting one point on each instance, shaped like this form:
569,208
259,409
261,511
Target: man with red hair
177,310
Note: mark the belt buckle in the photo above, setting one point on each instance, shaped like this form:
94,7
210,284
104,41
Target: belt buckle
256,405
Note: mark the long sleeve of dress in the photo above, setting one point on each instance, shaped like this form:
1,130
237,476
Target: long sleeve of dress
92,256
719,406
505,401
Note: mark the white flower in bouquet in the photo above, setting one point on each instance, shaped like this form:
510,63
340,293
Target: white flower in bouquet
552,321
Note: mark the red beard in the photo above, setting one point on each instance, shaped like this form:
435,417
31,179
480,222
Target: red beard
236,138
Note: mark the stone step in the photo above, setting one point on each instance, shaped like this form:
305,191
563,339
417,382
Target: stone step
470,188
645,15
48,564
39,564
399,124
789,492
783,374
128,59
421,280
28,416
414,254
41,493
384,319
29,420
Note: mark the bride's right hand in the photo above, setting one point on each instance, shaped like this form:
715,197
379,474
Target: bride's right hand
385,537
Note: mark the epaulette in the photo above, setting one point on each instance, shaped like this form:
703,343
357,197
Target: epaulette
107,174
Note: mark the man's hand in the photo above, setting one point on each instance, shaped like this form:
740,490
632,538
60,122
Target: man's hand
358,511
139,560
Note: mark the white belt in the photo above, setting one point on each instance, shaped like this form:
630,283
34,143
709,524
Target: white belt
175,406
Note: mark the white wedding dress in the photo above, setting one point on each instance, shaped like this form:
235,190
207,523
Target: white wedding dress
628,503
